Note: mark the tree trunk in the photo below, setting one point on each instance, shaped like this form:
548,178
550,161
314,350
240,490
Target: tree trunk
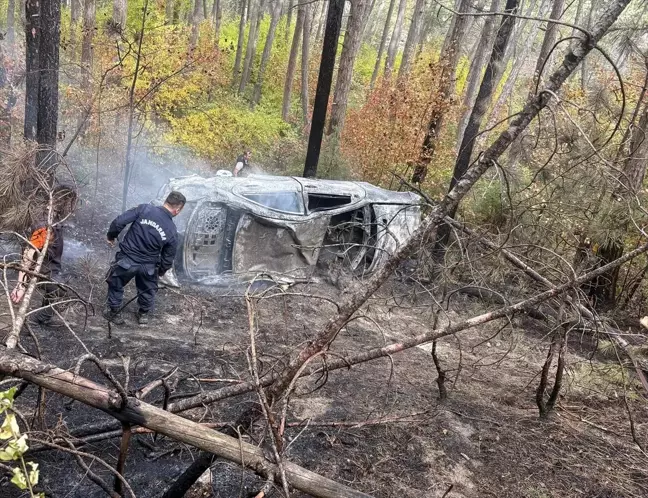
292,64
493,70
32,67
304,65
324,81
322,21
88,37
267,49
168,5
383,42
11,22
48,59
450,54
291,5
195,24
412,37
547,42
239,44
119,14
352,39
475,73
250,52
217,17
395,39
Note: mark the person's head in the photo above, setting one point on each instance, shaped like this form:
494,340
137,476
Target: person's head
174,202
247,154
64,200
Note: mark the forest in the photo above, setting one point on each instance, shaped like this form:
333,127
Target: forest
494,344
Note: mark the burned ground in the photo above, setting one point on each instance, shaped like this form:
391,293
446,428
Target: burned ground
377,427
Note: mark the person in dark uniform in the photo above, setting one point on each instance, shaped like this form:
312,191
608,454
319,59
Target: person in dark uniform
63,202
146,253
242,167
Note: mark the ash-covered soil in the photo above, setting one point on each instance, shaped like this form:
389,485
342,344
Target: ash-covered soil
378,427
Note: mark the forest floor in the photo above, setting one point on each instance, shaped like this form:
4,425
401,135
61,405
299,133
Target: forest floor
377,427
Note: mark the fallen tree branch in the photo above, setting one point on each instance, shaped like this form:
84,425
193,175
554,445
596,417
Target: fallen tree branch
160,421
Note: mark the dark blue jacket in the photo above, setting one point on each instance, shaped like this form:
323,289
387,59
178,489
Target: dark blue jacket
152,237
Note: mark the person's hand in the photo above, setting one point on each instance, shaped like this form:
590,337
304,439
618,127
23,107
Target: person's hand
111,243
17,294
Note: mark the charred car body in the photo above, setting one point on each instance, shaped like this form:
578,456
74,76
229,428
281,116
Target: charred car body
285,226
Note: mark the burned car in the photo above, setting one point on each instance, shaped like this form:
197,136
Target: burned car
286,226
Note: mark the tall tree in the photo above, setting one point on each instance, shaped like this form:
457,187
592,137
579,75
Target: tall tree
493,69
547,42
412,38
322,20
324,81
352,39
169,9
196,17
395,39
217,18
49,75
32,67
291,5
76,9
119,13
449,58
253,36
89,14
292,62
383,42
304,63
239,43
476,67
267,49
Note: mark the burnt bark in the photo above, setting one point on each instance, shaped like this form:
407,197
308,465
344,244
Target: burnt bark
324,81
267,49
292,63
32,69
383,42
394,41
352,39
412,39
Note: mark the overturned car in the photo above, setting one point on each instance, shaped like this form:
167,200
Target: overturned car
285,226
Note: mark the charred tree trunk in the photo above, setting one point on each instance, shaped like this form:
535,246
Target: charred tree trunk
32,67
352,39
250,52
182,484
239,44
292,63
304,66
48,59
493,70
383,42
475,72
119,14
412,38
324,81
450,54
267,50
395,39
558,344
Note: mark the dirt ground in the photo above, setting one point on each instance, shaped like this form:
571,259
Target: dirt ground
377,427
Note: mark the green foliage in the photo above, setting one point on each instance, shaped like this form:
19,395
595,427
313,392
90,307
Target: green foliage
16,446
486,203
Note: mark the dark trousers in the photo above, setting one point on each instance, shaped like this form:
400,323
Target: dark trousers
52,293
146,281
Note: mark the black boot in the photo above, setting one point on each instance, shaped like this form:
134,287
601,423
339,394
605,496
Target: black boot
113,316
142,317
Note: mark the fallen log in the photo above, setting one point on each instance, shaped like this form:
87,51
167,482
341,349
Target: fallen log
139,413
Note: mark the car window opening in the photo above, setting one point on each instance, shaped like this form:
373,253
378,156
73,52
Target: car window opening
287,202
323,202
